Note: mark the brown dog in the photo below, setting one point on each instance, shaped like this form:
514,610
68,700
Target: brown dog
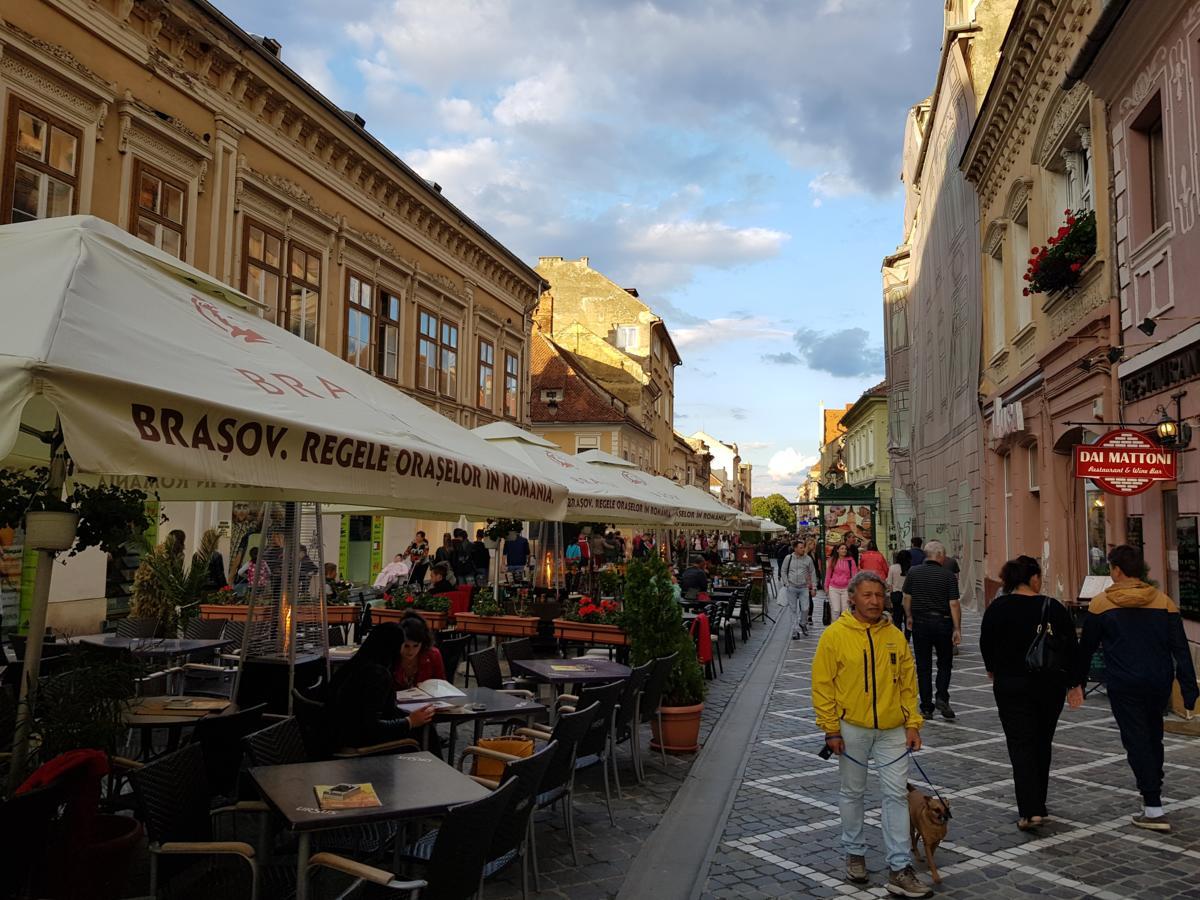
927,822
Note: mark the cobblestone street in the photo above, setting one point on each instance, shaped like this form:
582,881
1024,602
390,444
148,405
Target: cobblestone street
782,837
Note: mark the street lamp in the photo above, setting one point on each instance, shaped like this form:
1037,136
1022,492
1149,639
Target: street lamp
1173,432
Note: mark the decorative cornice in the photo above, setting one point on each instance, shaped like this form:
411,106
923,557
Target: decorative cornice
1018,197
994,236
59,53
1066,111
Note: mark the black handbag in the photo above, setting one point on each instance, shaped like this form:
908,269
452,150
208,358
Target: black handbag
1045,654
826,613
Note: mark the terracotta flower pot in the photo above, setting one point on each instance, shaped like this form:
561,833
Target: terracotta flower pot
341,615
501,626
232,612
584,632
437,621
680,729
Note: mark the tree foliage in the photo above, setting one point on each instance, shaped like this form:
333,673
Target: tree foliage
654,623
776,508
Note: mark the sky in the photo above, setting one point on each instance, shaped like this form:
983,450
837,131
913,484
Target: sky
736,161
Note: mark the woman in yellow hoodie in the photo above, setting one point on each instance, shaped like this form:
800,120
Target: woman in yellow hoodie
864,692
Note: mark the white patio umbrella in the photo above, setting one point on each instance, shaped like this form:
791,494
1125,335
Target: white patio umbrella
140,365
693,508
613,494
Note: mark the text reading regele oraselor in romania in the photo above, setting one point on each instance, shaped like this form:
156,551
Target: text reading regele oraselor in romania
230,436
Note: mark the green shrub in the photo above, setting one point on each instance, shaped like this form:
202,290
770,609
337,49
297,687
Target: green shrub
654,623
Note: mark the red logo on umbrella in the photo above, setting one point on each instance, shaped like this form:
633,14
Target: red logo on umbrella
212,314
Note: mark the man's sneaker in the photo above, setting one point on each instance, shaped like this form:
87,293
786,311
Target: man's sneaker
905,883
943,706
795,635
1158,823
856,869
804,628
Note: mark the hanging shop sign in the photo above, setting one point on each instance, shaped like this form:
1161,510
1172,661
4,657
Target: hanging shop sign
1008,418
1124,462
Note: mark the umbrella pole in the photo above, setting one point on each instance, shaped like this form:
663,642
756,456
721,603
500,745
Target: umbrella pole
37,628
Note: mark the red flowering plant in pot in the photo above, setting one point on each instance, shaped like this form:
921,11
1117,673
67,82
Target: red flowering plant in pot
605,612
1057,265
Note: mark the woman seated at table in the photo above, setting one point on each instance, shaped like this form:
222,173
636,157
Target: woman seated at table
362,706
419,660
440,579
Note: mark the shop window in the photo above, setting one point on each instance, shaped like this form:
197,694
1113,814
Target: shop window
485,392
42,162
1097,546
303,293
512,380
387,352
159,209
262,265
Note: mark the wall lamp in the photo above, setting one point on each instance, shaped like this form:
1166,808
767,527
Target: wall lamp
1173,432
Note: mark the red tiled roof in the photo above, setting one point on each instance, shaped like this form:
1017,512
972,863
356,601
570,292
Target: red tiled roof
583,401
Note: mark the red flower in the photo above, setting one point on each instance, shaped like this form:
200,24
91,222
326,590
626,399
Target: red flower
1066,212
408,600
1070,220
387,598
1025,292
1035,251
1028,277
1064,231
1053,241
1075,267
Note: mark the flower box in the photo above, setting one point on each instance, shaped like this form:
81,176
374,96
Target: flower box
342,615
225,612
437,621
500,626
588,633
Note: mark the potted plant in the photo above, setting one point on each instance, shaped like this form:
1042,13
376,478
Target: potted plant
590,622
103,516
434,609
501,528
225,605
654,624
609,582
166,589
1057,266
487,617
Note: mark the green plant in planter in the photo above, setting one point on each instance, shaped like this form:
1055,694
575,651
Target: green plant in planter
654,623
109,517
1058,265
163,585
498,529
609,582
486,604
433,603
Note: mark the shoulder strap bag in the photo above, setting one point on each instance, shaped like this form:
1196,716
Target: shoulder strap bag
1045,654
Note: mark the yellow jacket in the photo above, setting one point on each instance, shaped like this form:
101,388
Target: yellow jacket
864,676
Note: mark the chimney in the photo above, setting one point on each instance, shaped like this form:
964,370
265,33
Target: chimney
271,45
358,120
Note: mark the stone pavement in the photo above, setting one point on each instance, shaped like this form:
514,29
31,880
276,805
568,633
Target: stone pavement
782,837
605,851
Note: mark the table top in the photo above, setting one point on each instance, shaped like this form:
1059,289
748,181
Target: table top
495,703
409,785
581,670
148,712
153,646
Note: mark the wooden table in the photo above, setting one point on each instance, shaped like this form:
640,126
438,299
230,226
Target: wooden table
581,670
153,646
496,705
149,713
409,785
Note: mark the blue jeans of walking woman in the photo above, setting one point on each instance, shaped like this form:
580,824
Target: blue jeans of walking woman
886,749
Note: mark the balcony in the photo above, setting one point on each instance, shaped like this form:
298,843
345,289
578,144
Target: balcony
1066,308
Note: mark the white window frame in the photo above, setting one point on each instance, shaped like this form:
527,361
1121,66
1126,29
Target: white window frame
626,336
590,441
1031,459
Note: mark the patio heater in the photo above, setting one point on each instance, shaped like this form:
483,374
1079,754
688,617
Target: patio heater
549,555
286,641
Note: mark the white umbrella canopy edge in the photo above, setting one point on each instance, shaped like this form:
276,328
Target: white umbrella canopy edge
151,377
593,492
691,509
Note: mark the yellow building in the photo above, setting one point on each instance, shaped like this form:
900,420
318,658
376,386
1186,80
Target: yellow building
621,344
865,454
1037,158
172,122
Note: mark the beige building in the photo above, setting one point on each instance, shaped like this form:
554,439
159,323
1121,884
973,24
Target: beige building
832,462
865,456
623,346
170,121
1032,158
691,464
730,480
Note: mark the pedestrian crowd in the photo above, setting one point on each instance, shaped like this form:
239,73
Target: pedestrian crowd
883,667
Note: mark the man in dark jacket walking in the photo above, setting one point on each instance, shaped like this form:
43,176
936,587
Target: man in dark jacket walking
1145,650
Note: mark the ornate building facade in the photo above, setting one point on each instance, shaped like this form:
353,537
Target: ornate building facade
1038,160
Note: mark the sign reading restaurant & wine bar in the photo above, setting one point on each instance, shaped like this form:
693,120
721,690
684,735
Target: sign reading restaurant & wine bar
1124,462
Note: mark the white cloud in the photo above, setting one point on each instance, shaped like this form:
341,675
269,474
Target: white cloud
756,445
707,243
546,97
789,463
722,331
460,115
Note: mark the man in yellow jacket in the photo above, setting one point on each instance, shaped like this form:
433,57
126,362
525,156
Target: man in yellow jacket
864,692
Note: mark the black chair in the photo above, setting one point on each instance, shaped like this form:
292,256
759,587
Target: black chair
486,666
203,629
220,741
134,627
320,738
558,783
515,651
172,794
625,721
594,748
511,841
453,649
277,745
650,704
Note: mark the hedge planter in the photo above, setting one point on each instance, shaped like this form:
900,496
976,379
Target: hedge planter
587,633
680,729
499,626
437,621
225,612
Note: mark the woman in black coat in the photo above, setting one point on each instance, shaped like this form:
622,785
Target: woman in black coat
362,704
1029,703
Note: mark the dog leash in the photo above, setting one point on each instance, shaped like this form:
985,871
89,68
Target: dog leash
908,753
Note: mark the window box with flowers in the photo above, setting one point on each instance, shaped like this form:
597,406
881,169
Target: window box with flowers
589,622
1056,267
434,609
487,617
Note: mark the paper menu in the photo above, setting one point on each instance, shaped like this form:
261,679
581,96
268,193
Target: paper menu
430,689
364,798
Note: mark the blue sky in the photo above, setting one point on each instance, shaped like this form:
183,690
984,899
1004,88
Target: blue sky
735,160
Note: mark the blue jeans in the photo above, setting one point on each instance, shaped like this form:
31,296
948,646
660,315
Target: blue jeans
800,600
886,749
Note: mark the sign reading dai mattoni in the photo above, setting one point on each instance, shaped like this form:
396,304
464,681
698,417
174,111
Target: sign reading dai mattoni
1124,462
